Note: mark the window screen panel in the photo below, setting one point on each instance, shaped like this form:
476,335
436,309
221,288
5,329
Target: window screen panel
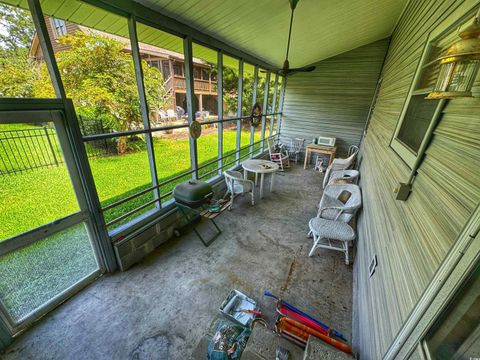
417,119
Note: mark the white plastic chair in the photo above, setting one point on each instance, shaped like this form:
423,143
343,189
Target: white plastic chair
278,154
341,164
237,185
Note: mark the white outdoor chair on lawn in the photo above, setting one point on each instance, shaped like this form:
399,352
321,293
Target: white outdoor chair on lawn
338,206
278,154
341,164
172,115
237,185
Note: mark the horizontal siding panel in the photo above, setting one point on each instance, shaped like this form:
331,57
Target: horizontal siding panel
334,99
411,238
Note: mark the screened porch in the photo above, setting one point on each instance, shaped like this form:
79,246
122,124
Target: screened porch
113,114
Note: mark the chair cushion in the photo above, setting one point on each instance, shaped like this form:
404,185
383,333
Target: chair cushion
330,229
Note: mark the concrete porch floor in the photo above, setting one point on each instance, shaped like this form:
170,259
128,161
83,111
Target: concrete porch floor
162,307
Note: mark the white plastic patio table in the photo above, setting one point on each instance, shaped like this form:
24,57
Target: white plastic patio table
261,167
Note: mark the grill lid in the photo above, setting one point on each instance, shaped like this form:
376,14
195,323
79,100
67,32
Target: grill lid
193,193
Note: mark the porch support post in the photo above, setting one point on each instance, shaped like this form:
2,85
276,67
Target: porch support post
190,93
47,49
220,109
254,99
280,105
137,63
264,109
239,109
274,102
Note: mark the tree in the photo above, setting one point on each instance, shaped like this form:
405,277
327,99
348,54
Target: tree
17,70
17,28
98,75
17,74
230,90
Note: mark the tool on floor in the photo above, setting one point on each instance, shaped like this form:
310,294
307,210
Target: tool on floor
282,304
301,331
239,308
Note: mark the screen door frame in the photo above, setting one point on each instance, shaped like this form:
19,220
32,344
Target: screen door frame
55,111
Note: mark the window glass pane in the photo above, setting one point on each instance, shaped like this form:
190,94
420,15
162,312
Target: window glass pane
98,75
416,121
271,92
261,87
230,87
205,90
165,94
58,262
172,157
456,335
229,143
120,175
35,186
279,94
23,73
207,148
247,97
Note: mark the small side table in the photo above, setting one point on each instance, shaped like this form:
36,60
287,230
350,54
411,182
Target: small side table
319,149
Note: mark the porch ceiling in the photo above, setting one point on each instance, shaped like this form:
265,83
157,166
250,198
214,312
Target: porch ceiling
322,28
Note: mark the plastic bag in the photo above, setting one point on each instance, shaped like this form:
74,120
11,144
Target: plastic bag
228,342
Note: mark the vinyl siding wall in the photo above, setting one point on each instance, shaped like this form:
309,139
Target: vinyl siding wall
410,238
334,99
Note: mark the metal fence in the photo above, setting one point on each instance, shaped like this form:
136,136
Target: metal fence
96,148
38,147
28,149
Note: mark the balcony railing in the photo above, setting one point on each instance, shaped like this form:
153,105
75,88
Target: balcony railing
178,83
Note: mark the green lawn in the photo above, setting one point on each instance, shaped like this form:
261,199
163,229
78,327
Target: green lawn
33,198
36,273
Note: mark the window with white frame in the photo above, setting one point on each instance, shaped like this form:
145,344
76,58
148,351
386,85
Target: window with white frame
59,27
420,115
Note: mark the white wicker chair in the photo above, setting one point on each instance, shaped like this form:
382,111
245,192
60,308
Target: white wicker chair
278,154
340,202
338,206
237,185
344,176
341,164
296,146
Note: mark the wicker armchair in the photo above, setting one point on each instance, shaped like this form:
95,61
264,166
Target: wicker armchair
344,177
296,146
341,164
330,229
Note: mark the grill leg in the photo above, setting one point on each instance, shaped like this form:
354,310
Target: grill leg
189,222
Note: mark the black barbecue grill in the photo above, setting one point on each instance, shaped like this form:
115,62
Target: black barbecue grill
191,197
193,194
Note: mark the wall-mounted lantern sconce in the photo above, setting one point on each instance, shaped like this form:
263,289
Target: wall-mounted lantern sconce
459,65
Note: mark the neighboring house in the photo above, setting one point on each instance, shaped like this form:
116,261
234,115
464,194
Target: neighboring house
170,63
